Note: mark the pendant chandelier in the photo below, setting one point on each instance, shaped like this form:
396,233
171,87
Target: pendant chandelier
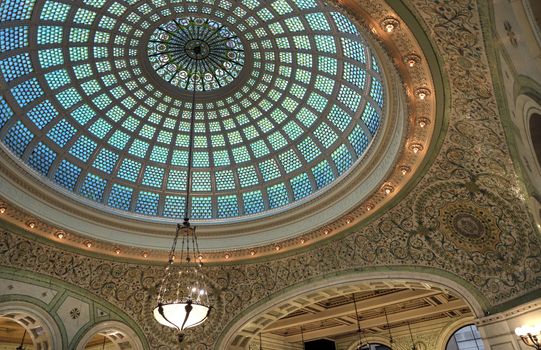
183,300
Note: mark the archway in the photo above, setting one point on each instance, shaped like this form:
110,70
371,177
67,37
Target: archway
41,330
247,326
117,336
535,135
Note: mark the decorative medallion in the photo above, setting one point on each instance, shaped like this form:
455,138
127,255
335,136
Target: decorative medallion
192,50
75,313
469,227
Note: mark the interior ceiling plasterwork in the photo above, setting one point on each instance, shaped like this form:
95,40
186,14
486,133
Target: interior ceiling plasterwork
472,170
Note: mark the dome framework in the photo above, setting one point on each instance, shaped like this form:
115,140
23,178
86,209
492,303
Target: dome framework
83,107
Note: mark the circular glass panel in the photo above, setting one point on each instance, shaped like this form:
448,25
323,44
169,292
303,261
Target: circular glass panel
195,52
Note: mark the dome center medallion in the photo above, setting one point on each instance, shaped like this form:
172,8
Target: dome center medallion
193,50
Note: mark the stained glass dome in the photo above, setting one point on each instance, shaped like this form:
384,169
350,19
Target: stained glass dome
291,97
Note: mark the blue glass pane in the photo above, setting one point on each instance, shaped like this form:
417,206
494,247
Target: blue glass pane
93,187
27,91
277,195
5,112
18,138
42,114
253,202
227,206
42,158
147,203
120,197
16,66
67,174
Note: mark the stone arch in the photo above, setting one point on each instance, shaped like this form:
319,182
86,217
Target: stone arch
528,123
120,334
535,135
260,315
41,327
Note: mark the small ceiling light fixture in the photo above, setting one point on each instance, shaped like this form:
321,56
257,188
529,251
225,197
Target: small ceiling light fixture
252,252
531,336
416,147
404,169
303,240
326,232
388,189
277,247
389,24
183,302
145,255
348,221
369,207
412,59
423,122
117,251
227,256
88,244
31,224
2,209
422,93
60,234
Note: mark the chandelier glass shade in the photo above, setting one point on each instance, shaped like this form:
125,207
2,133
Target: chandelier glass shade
183,298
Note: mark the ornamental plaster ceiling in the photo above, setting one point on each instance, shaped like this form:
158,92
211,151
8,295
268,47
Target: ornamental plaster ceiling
461,220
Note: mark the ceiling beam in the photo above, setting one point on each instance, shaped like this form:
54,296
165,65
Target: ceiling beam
348,309
380,320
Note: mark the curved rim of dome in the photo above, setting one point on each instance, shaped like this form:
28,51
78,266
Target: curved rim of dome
91,220
86,147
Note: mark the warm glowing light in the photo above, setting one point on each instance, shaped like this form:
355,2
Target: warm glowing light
227,256
277,248
389,24
326,232
60,234
177,314
416,148
200,257
2,210
32,224
117,251
530,335
527,330
369,207
145,255
252,252
303,241
348,221
88,244
405,169
422,93
412,59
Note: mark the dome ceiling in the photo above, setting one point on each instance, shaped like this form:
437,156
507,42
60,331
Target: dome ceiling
96,97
